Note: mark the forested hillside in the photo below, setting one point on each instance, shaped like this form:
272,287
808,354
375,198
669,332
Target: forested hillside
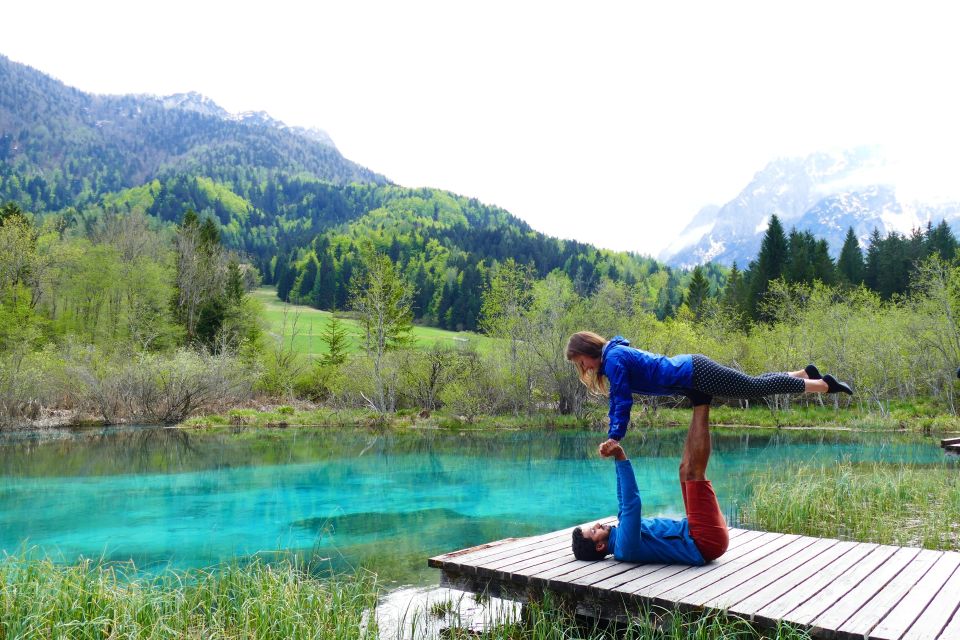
292,205
60,147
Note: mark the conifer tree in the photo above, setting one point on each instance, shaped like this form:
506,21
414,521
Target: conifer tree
940,240
334,335
770,263
302,290
697,291
733,293
850,263
871,266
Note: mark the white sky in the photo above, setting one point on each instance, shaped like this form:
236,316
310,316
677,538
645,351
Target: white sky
608,122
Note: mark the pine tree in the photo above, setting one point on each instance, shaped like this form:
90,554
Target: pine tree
769,265
334,335
871,266
733,293
697,291
286,279
850,265
323,295
940,240
823,267
302,290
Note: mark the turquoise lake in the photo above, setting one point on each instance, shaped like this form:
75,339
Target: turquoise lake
352,498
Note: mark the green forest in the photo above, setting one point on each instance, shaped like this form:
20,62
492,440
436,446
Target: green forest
132,236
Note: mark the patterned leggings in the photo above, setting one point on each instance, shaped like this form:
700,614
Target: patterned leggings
713,379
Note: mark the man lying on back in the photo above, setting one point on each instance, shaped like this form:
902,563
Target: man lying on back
696,539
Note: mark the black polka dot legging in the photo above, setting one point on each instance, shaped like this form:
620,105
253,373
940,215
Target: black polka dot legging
713,379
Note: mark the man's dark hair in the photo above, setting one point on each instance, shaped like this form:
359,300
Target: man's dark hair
584,548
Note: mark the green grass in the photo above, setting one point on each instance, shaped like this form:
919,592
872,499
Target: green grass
871,502
40,599
310,323
919,415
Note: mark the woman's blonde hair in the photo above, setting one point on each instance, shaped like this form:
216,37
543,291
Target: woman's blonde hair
587,343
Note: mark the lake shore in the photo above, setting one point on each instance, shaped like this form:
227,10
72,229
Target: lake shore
920,417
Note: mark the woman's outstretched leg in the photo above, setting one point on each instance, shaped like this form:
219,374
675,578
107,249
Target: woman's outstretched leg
715,379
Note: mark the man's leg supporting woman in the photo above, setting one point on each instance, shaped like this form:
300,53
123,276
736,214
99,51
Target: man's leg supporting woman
707,525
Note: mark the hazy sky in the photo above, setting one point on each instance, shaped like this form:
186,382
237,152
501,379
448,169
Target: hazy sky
608,122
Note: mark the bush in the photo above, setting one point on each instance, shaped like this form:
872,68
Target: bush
159,388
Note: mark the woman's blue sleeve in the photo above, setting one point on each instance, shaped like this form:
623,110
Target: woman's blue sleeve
621,401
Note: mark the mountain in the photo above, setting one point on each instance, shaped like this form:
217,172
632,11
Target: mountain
66,147
284,197
824,193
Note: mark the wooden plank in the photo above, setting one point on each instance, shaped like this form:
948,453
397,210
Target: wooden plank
667,571
510,563
779,571
882,603
751,576
614,569
521,573
606,566
555,570
737,538
949,441
508,547
551,564
724,570
836,589
909,609
952,630
668,579
638,571
938,613
791,580
777,609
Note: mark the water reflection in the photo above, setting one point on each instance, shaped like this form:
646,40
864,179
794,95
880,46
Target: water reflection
357,498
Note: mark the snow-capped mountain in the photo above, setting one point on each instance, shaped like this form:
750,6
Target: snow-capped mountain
193,101
824,193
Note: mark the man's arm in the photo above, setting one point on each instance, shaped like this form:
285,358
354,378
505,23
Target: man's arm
628,494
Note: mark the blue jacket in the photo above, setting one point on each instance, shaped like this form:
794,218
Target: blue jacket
647,540
630,371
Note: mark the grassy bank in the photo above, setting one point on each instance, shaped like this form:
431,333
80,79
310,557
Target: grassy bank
920,417
882,503
39,599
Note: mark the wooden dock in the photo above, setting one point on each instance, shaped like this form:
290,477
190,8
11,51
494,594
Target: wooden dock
832,588
951,444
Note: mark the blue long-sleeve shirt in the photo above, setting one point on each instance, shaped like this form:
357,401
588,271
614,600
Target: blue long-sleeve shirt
647,540
630,371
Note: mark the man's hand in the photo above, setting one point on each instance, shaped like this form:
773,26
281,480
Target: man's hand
607,448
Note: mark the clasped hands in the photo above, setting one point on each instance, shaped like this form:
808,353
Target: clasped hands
611,448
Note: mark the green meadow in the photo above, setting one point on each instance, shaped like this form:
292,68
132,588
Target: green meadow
305,325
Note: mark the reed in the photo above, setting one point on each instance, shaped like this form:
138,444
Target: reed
93,600
870,502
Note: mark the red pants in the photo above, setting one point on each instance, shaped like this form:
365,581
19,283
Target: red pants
707,525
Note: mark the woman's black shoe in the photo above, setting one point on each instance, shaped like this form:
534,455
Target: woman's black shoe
812,372
835,386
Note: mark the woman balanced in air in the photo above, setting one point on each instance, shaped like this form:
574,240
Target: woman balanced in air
616,369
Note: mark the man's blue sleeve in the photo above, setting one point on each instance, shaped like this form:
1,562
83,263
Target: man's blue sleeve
628,493
621,401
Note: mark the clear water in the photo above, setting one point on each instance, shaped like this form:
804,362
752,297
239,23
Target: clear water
172,498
